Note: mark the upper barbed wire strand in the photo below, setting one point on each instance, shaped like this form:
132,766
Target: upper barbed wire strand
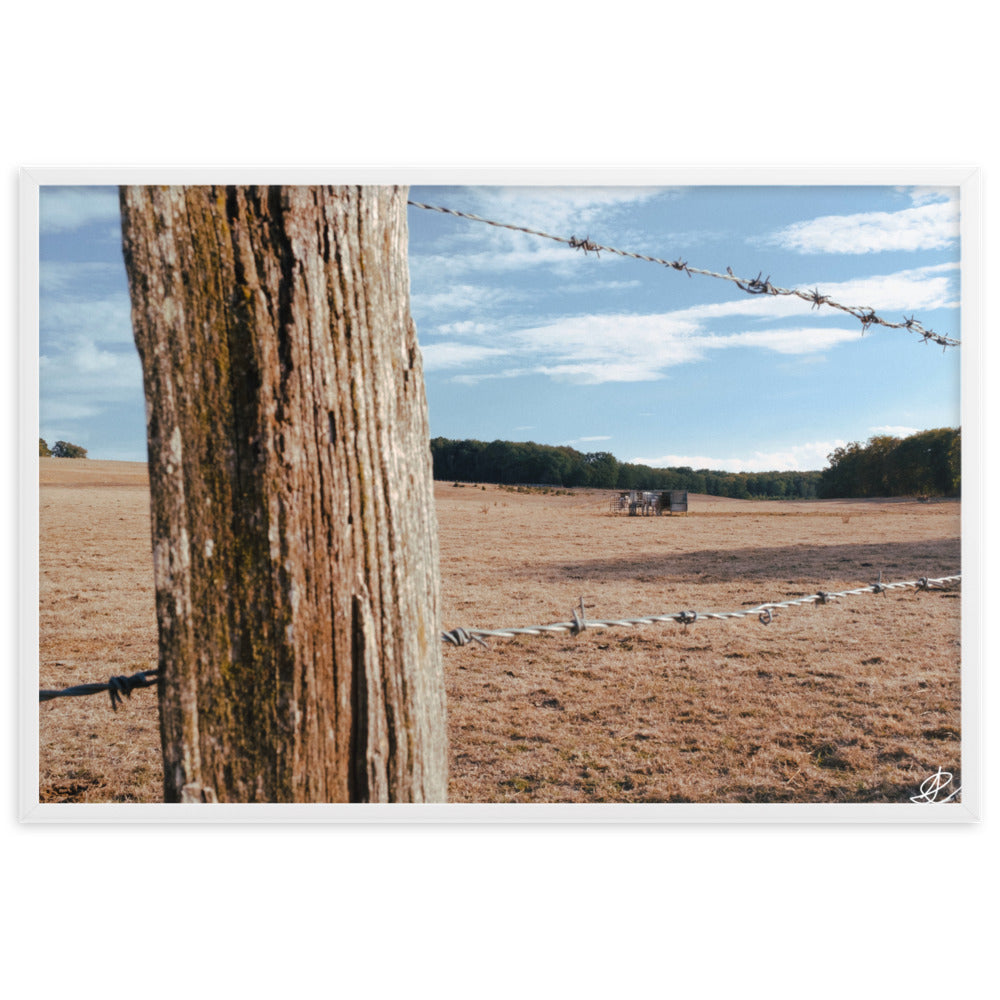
753,286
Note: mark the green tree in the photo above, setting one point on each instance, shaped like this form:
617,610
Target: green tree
602,470
927,462
43,448
63,449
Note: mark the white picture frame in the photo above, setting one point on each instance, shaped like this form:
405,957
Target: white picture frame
968,810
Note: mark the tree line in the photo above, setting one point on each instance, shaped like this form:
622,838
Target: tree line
561,465
927,463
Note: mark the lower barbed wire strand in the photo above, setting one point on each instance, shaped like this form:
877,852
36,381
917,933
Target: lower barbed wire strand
116,686
688,617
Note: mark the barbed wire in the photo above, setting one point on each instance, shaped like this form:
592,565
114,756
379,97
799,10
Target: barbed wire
866,315
115,686
765,613
121,684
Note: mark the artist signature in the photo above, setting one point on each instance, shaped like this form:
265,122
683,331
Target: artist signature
935,785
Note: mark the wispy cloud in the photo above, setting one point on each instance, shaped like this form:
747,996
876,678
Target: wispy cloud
474,378
561,211
589,439
930,224
619,347
922,288
463,328
61,410
449,354
80,380
520,253
923,195
80,368
800,457
57,277
596,349
784,340
456,298
616,347
549,208
600,286
106,319
66,208
590,350
894,430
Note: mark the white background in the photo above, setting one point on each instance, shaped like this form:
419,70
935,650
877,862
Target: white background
494,911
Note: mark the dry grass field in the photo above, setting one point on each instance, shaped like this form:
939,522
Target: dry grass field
853,701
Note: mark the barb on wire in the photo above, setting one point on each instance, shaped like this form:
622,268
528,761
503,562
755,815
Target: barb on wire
586,245
116,686
765,613
753,286
461,637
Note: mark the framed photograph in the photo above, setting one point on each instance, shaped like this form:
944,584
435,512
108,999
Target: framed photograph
501,496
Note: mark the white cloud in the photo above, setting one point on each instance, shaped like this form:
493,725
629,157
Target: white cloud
465,327
457,298
79,369
598,372
588,439
923,195
59,276
591,350
559,211
928,225
61,409
617,348
449,354
66,208
107,319
524,256
794,458
923,288
607,335
784,340
600,286
595,348
555,208
893,431
477,377
919,288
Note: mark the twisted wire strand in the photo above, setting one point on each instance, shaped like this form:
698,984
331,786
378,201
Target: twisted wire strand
121,684
764,612
753,286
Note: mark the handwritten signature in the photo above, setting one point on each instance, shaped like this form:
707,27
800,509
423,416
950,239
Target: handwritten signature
933,786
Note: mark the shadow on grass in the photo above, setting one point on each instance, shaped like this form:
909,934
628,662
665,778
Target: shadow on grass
859,563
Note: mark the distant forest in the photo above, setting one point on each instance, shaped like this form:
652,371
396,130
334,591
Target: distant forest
527,462
925,463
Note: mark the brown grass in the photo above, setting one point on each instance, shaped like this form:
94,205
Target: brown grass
856,701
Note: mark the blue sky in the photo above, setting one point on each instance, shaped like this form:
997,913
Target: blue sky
526,339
